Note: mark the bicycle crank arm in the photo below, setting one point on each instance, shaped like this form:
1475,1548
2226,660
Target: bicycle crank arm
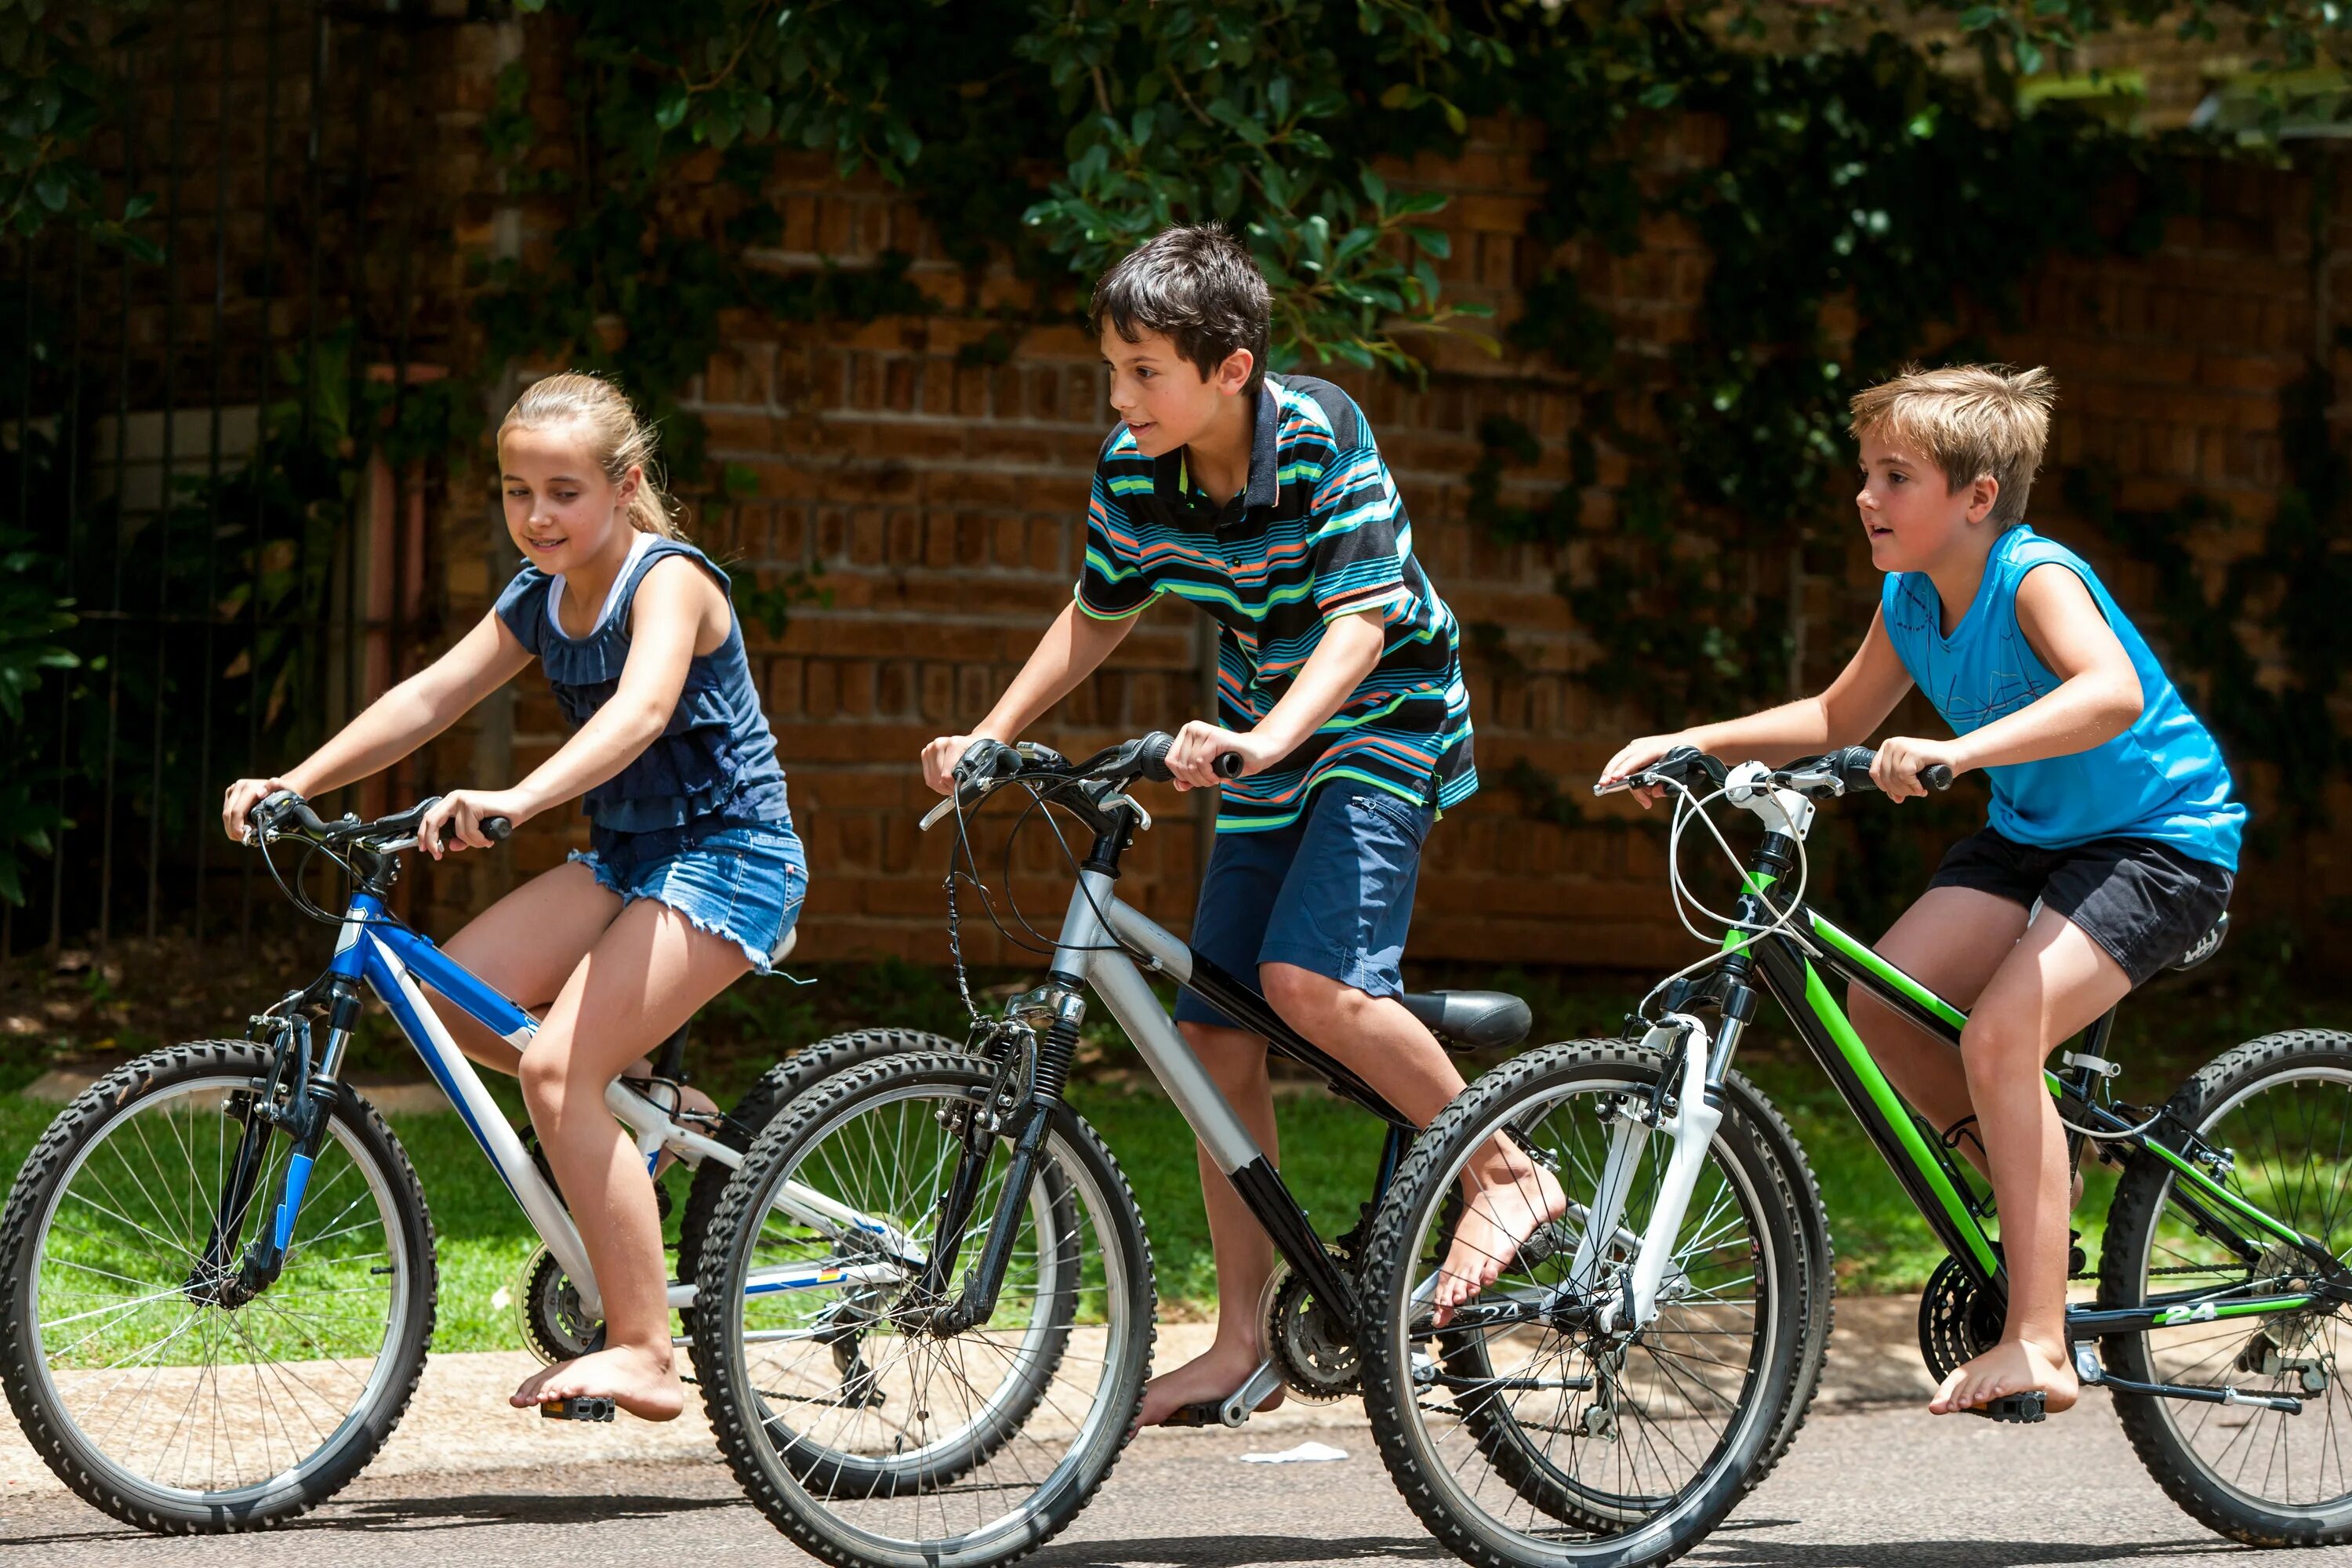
2087,1368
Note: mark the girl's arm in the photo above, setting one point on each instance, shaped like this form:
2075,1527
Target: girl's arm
1349,648
396,723
672,604
1073,648
1855,704
2098,696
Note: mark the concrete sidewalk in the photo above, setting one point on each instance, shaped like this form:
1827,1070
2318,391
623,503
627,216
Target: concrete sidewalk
459,1421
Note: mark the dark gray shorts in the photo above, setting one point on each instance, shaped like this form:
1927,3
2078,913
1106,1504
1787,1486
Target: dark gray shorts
2145,903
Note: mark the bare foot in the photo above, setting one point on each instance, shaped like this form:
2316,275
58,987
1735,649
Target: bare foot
2012,1366
641,1382
1495,1223
1217,1372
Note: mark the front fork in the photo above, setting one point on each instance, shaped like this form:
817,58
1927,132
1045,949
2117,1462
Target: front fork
1697,1111
226,1276
1063,1008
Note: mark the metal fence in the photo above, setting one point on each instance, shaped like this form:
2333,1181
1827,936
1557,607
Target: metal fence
214,445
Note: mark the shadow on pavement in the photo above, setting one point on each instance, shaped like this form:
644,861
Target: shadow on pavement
1717,1552
1236,1551
480,1509
471,1512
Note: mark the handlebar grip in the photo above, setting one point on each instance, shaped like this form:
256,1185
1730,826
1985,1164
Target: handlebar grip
1151,755
1852,764
494,828
1152,759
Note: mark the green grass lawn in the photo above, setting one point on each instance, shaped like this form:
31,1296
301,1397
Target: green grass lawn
1329,1153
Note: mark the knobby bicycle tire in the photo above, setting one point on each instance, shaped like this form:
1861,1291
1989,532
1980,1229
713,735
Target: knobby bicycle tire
63,1446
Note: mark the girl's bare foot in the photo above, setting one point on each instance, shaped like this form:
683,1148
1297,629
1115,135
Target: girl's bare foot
1495,1223
2012,1366
640,1380
1217,1372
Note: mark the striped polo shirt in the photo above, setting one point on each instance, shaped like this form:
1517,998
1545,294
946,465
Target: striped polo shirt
1320,532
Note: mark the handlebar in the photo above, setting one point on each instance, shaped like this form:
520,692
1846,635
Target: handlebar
988,765
1842,772
286,815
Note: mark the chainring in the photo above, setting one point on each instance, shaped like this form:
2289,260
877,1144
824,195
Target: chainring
1312,1349
1958,1322
554,1324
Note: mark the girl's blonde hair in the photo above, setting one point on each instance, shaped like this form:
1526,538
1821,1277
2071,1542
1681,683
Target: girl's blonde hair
1970,420
621,437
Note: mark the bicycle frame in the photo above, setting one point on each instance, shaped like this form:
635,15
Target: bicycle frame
1102,941
396,963
1927,1176
1781,955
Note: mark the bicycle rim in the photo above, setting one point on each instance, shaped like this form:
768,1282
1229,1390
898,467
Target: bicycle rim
2290,1135
194,1404
926,1446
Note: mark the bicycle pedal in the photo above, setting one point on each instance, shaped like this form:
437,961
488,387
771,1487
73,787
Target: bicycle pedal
2023,1409
580,1407
1200,1412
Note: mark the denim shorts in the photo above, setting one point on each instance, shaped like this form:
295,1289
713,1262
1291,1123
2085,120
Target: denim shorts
742,882
1331,894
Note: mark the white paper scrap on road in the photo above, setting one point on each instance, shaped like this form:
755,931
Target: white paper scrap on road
1305,1454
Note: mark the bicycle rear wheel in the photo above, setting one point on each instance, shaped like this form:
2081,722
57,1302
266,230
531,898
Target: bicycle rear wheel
2282,1106
864,1435
140,1388
1544,1440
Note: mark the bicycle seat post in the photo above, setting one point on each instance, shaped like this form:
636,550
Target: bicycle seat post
669,1061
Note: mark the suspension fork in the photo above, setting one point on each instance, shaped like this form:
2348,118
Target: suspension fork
976,1303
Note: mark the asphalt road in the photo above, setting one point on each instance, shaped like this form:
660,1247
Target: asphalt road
1889,1486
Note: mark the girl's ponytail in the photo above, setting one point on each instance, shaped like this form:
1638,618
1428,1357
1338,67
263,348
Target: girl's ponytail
623,440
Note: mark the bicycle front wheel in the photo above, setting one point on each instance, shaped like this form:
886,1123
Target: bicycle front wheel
867,1435
2282,1106
1531,1436
147,1387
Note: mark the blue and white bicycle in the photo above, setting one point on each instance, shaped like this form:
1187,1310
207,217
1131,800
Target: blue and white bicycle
216,1269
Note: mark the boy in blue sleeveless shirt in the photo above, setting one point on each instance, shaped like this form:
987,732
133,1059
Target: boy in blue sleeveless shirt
1263,500
2113,832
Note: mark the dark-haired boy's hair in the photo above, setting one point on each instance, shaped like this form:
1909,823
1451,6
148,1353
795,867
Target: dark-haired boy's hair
1199,288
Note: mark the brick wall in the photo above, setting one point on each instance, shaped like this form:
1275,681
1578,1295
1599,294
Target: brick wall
941,502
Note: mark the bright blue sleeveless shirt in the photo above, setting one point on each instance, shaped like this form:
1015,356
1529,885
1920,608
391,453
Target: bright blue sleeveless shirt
715,763
2162,779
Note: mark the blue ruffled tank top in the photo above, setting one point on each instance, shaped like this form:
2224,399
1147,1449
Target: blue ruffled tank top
715,761
2162,779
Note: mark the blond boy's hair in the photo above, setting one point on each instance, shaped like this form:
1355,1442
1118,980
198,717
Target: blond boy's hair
1970,421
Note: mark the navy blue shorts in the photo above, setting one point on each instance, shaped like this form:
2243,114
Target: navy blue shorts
1331,894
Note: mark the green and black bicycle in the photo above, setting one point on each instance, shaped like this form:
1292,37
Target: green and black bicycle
1607,1399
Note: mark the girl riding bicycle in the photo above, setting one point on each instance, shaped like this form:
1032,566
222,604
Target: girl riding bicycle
693,874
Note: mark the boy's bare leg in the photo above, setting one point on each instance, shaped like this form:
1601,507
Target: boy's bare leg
644,976
1506,1195
2056,982
1236,1060
1952,942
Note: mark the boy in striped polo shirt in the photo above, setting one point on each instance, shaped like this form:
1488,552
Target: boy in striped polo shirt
1263,500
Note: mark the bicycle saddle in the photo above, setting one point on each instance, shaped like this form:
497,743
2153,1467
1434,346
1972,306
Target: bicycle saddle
1473,1020
2205,946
